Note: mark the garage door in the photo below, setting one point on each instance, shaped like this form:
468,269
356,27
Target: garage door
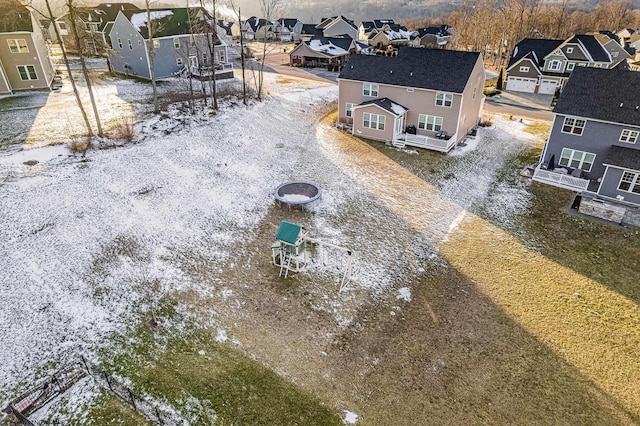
547,87
517,84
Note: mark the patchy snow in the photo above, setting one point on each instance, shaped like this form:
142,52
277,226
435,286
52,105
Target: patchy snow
139,20
221,336
350,418
328,48
404,293
295,198
397,109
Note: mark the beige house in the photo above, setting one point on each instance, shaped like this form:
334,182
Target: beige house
24,58
426,98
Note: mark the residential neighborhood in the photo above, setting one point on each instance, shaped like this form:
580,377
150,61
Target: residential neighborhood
290,213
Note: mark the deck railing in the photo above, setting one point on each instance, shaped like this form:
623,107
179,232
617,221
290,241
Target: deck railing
426,142
561,180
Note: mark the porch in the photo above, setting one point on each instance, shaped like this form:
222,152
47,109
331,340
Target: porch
442,142
561,178
206,71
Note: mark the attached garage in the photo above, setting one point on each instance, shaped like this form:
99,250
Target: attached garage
548,87
520,84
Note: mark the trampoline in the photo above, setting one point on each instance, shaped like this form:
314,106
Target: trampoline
297,193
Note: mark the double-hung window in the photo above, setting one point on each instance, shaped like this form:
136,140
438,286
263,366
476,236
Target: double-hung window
27,72
630,182
348,110
524,69
130,44
176,43
429,122
554,65
444,99
119,42
374,121
577,159
370,89
18,45
630,136
572,125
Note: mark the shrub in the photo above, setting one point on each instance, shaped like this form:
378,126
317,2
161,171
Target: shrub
80,145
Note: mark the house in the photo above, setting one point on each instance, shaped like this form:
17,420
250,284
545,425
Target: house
257,29
323,51
432,36
337,25
307,31
594,144
384,38
287,28
625,33
93,24
180,44
366,27
426,98
542,66
24,58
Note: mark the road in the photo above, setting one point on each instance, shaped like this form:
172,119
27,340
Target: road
493,107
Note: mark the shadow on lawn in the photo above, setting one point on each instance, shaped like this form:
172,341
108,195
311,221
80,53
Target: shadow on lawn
17,115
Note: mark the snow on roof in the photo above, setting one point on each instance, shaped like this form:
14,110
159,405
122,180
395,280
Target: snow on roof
326,47
398,109
398,35
139,20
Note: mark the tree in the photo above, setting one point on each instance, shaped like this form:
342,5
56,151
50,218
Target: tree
242,52
500,79
150,56
271,9
212,37
83,65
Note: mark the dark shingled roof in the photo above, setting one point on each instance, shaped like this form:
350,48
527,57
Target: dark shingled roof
367,25
593,46
288,22
435,69
379,23
308,29
623,156
14,17
177,23
386,104
541,48
599,93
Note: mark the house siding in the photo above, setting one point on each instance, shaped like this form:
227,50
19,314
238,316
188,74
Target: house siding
596,138
471,110
548,59
11,61
514,71
4,84
365,132
124,60
42,50
339,28
609,186
577,54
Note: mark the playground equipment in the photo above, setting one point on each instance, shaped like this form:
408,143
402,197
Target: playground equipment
290,253
297,193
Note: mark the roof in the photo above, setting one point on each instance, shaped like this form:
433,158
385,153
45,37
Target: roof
330,46
592,46
256,23
379,23
601,94
308,29
623,156
225,25
367,26
14,17
540,48
434,69
325,22
288,232
387,105
288,22
111,9
441,31
169,22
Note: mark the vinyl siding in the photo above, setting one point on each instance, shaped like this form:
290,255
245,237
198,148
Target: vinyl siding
609,186
11,61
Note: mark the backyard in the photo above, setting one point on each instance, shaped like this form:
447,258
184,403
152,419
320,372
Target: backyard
473,293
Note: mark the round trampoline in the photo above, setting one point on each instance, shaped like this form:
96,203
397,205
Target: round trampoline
297,193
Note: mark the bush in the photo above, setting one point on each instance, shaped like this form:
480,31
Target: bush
491,92
80,145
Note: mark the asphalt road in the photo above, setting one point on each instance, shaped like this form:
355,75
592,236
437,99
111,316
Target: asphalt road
500,107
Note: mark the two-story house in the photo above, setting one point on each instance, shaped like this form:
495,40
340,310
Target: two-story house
181,40
367,27
337,25
323,51
594,143
432,36
426,98
288,27
537,66
256,28
24,57
93,24
397,36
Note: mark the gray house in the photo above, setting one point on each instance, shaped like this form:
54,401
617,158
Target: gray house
179,41
594,144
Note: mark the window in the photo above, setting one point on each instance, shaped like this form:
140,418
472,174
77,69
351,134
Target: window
570,66
374,121
205,59
554,65
577,159
569,49
156,44
444,99
18,45
119,42
223,59
370,89
130,44
62,26
27,72
573,125
475,89
429,122
630,136
524,69
614,54
176,43
178,61
630,182
349,110
410,89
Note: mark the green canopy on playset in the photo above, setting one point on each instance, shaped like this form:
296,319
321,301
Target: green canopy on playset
288,232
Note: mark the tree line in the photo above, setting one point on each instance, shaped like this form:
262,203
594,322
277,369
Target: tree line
494,27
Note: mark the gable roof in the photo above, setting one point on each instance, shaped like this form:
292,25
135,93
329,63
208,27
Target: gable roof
330,46
225,25
308,29
169,22
441,31
539,47
387,105
111,10
367,26
256,23
14,17
326,22
288,22
434,69
379,23
601,94
592,47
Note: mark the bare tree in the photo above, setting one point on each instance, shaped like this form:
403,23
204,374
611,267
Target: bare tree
83,65
271,10
212,38
151,55
242,52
